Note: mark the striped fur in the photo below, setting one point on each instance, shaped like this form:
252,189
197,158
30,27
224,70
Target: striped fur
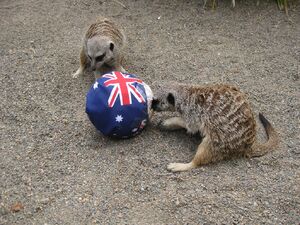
221,113
107,28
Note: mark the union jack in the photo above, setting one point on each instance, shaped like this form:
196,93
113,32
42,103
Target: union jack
122,87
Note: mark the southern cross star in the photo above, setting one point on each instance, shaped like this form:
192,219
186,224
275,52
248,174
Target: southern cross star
119,118
96,85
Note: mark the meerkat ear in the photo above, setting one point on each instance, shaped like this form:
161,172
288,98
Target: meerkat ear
111,46
171,99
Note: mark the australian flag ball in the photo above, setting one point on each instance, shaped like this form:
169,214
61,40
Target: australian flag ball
117,104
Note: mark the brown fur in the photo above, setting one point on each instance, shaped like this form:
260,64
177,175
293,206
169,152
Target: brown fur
221,113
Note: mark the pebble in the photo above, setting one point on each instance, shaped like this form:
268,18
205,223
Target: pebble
3,211
16,207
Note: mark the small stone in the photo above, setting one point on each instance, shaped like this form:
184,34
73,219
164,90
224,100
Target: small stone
16,207
44,200
3,211
38,209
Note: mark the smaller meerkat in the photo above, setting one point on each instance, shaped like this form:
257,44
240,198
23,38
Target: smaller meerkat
223,116
102,46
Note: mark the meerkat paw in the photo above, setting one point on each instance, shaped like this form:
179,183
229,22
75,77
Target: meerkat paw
173,123
121,69
78,73
179,167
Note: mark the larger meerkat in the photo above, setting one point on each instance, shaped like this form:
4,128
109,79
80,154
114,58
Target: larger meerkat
223,116
101,48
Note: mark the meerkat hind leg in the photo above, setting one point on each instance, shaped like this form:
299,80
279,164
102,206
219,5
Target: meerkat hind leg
173,123
203,156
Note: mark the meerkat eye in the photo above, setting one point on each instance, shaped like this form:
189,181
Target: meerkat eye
111,46
154,104
90,58
100,57
171,99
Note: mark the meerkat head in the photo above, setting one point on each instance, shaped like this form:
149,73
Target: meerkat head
163,101
99,51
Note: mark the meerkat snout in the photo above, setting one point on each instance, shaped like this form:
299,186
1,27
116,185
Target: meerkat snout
99,51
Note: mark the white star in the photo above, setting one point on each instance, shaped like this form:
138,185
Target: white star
96,85
119,118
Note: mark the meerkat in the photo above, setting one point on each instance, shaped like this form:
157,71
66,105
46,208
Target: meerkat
221,113
102,46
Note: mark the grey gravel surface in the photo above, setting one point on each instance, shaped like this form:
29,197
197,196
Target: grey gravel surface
56,169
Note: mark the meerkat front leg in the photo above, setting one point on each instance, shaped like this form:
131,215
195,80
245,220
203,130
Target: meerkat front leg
118,66
203,156
83,64
78,73
121,69
173,123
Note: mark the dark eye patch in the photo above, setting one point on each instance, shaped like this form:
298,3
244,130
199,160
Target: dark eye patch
100,57
90,58
111,46
171,99
154,104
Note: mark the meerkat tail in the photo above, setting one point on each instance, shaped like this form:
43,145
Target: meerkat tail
260,149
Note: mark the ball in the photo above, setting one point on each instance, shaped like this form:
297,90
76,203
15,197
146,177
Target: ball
119,104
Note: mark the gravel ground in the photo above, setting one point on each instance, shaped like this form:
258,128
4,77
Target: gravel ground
56,169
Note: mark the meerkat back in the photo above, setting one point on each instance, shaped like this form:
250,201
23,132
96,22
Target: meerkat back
102,47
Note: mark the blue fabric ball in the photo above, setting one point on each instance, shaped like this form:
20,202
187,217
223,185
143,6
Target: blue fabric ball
117,104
